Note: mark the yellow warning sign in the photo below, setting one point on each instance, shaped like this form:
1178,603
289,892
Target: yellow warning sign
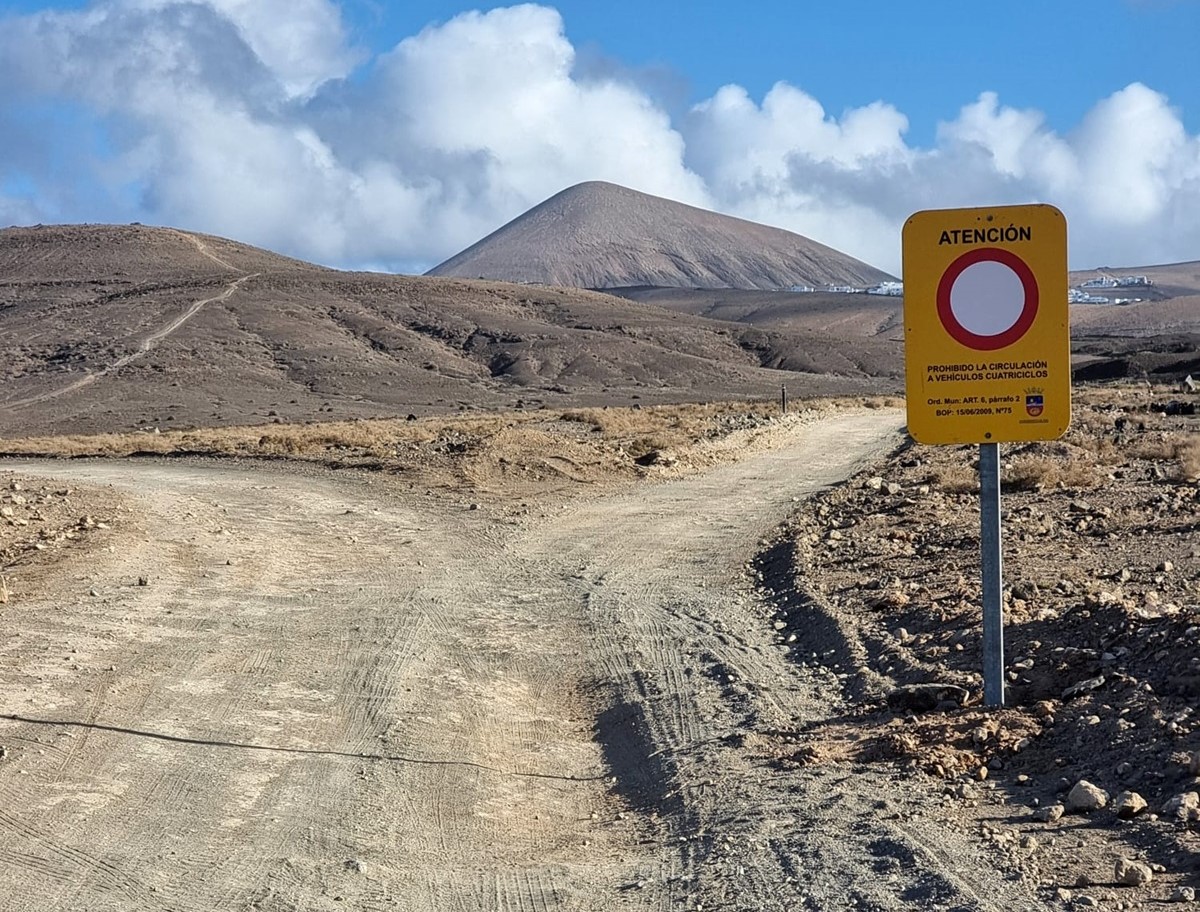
987,346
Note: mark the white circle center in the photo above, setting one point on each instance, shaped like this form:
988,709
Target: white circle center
987,298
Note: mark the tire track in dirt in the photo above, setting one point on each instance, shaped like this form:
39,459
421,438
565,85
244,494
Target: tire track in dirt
435,675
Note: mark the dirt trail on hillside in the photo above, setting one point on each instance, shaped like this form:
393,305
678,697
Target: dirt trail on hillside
329,696
147,345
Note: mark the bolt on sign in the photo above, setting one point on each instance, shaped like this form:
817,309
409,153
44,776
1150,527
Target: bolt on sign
986,339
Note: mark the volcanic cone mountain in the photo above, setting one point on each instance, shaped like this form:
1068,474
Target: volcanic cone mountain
600,235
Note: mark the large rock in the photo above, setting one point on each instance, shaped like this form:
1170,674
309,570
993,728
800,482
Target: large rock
1085,797
1129,804
1184,807
1133,873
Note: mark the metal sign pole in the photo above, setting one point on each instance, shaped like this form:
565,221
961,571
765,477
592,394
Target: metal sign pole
989,540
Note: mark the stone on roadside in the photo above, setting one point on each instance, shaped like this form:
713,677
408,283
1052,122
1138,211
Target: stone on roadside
1129,804
1194,763
1085,797
926,697
890,600
1083,687
1183,894
1132,873
1184,807
1051,813
874,483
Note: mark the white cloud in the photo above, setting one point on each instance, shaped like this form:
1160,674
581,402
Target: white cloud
1128,178
248,118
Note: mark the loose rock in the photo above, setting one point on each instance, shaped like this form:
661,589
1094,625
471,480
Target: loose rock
1051,813
1184,807
1083,687
1085,797
926,697
1132,873
1129,804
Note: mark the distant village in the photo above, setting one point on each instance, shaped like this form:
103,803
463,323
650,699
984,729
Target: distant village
1085,293
893,289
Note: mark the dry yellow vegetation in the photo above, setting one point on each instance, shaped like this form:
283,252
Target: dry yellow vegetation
517,452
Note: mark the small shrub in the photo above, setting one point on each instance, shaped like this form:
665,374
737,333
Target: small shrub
1188,454
1032,472
644,446
956,479
1029,473
1155,449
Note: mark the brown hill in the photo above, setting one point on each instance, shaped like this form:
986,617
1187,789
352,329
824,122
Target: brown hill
600,235
848,316
1158,338
113,328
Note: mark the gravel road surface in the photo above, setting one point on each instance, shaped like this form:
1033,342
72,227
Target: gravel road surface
327,695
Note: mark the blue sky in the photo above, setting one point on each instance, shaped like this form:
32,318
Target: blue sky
928,58
391,135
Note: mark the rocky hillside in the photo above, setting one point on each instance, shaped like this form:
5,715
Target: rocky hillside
118,328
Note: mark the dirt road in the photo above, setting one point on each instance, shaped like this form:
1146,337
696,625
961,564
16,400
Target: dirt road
329,696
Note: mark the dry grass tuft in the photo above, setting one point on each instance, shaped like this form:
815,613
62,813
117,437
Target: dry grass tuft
481,450
1161,448
1033,472
1188,454
1102,448
956,479
883,402
1183,452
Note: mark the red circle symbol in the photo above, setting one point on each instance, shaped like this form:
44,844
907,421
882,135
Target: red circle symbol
1006,336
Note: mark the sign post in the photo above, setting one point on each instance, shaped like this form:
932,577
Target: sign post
987,355
993,574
